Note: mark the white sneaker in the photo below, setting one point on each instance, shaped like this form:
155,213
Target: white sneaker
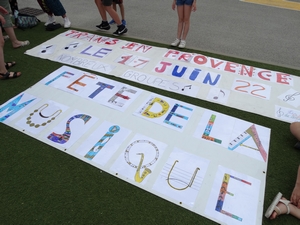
67,22
182,44
51,19
175,43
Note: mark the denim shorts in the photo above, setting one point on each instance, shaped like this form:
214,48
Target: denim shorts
184,2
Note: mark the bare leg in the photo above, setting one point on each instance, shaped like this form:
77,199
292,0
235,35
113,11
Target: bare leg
12,36
101,9
2,61
3,69
113,14
180,21
122,11
187,9
294,210
295,198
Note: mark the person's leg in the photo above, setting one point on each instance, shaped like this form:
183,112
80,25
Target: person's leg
122,11
12,36
101,10
187,9
2,61
295,197
294,211
44,7
4,74
104,25
8,27
67,22
180,21
113,14
58,10
114,5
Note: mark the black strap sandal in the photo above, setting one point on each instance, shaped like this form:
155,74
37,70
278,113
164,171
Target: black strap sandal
9,64
9,75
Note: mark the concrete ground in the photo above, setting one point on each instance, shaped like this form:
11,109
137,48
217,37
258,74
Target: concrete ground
227,27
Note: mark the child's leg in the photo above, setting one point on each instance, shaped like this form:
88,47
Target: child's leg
113,14
101,9
115,6
187,9
295,198
180,21
294,211
122,11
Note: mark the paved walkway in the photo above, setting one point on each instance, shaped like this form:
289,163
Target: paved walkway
227,27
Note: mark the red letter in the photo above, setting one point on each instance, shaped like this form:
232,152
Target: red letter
170,52
200,59
265,75
129,46
185,57
231,67
163,68
283,78
245,71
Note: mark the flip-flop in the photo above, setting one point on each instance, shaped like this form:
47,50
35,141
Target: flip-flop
23,43
9,64
274,203
9,75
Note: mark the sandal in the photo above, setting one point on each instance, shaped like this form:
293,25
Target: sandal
9,64
273,207
9,75
23,43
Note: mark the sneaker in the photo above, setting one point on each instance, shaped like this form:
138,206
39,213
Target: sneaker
104,25
121,30
124,22
112,22
175,43
51,19
67,22
182,44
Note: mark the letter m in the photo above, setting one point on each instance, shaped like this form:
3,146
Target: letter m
12,107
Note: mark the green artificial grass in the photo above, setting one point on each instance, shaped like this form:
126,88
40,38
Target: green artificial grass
42,185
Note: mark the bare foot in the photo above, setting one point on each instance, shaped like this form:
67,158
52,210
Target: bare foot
20,44
282,207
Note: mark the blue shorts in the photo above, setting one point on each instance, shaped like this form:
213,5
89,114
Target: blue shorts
184,2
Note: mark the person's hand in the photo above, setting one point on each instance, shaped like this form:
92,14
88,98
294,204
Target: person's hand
173,5
3,10
295,198
194,6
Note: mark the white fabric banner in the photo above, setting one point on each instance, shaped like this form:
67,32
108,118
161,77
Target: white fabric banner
264,92
199,159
